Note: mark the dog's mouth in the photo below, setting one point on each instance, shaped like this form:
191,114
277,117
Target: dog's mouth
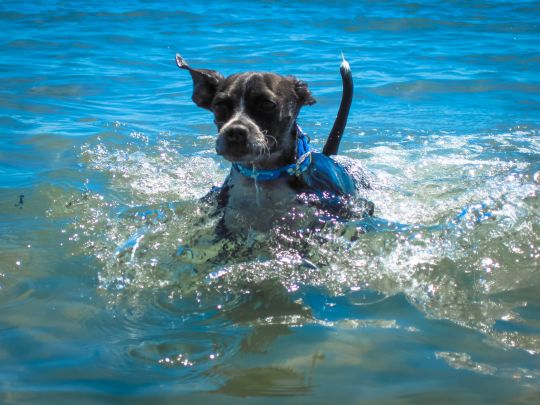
243,150
242,153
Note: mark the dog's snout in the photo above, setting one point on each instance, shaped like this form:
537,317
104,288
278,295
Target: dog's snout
240,139
236,134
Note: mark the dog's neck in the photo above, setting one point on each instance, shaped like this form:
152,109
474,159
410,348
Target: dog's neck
299,164
285,157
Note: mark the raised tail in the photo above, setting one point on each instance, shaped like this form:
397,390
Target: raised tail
332,143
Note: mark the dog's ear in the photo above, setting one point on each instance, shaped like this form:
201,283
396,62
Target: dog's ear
205,83
303,93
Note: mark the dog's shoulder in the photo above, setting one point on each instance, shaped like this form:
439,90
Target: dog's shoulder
218,196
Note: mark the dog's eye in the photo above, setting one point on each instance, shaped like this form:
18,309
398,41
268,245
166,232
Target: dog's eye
267,105
221,106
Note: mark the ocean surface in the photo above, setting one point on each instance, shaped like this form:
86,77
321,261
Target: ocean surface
111,286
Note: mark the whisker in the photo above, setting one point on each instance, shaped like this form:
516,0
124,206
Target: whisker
272,138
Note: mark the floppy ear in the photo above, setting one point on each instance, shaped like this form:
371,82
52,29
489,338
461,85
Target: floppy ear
303,93
205,83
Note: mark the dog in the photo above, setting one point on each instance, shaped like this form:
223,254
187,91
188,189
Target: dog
274,173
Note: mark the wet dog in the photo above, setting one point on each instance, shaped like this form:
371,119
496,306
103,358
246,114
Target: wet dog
274,171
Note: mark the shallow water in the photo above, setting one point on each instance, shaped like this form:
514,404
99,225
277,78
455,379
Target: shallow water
111,285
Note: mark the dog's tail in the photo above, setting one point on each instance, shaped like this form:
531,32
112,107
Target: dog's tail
332,143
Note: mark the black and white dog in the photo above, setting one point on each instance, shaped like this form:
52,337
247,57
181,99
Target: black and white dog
273,169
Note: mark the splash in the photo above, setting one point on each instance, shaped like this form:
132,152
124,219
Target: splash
450,262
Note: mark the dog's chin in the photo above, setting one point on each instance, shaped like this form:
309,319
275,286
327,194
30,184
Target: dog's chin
237,155
241,159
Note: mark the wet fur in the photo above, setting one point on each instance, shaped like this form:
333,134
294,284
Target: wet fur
255,114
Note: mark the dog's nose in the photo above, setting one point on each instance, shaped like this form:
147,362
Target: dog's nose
236,134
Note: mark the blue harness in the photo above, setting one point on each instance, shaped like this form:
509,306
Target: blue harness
302,163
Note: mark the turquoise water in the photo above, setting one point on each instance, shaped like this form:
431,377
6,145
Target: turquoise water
111,288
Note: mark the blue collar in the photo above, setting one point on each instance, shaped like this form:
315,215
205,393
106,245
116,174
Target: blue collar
303,160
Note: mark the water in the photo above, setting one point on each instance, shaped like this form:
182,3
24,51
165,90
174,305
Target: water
111,287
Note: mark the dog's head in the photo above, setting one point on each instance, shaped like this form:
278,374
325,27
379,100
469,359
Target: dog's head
255,113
